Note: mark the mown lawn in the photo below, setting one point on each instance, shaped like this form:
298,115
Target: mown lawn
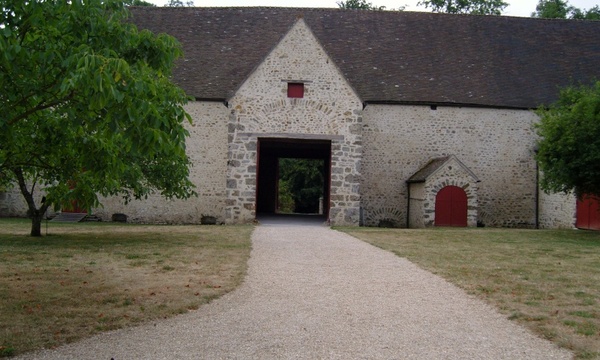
547,280
86,278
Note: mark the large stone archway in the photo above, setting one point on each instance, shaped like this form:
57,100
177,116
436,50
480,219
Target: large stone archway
270,150
244,168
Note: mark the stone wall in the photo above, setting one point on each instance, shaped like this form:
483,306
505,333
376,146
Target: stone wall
329,110
557,211
12,203
416,218
496,145
207,148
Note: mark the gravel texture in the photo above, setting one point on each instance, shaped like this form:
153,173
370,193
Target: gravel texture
315,293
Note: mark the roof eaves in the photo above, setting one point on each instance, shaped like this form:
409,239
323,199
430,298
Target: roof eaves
448,104
428,169
222,100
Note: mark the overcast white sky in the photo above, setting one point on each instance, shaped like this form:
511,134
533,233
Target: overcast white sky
516,7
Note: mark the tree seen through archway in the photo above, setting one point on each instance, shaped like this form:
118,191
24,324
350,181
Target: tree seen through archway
301,183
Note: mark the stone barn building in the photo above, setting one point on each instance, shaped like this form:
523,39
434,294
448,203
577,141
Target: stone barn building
421,119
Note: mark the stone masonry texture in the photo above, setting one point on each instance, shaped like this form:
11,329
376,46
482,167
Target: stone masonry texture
329,107
496,145
207,149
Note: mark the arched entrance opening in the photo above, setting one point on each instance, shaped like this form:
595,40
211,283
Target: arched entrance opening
278,158
451,207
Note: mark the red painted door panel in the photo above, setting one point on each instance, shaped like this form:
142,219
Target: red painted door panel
73,206
588,213
451,207
594,214
443,208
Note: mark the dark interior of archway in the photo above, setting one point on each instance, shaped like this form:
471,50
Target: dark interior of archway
270,153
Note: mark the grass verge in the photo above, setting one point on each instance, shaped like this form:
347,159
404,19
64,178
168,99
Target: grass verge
547,280
86,278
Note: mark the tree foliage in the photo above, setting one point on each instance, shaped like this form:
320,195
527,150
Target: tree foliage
590,14
569,145
180,3
475,7
285,199
302,180
359,5
552,9
138,3
87,106
561,9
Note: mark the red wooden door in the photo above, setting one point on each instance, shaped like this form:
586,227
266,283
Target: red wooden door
451,207
588,213
73,206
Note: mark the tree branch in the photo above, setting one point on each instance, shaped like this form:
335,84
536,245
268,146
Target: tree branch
23,187
40,107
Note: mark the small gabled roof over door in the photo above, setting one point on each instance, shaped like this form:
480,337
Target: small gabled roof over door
436,164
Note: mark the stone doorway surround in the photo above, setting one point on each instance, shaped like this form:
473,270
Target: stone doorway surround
242,176
424,185
270,150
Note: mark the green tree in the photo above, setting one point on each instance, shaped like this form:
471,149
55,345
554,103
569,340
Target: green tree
591,14
303,179
561,9
475,7
180,3
569,146
552,9
87,106
138,3
359,4
285,198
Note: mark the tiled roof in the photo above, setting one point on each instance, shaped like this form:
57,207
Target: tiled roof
423,173
388,56
434,164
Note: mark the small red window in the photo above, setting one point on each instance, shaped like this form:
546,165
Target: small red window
295,90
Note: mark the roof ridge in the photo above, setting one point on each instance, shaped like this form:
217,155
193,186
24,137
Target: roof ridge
327,9
390,57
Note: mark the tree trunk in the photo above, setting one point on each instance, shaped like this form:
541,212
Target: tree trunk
34,213
36,224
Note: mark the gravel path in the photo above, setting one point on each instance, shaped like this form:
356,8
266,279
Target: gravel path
314,293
